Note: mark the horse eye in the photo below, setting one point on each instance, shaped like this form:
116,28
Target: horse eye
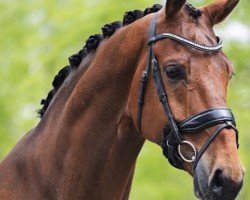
175,72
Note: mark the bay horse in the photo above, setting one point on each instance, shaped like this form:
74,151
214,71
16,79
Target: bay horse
104,106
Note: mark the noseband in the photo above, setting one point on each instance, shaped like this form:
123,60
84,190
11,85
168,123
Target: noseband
173,140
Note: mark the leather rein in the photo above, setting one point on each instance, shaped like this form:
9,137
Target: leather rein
173,132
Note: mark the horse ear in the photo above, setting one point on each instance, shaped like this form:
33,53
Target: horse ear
220,9
173,7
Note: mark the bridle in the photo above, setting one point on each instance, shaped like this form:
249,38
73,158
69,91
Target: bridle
173,140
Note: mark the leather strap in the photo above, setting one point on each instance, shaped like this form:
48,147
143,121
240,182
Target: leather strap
164,100
206,119
145,73
186,41
211,138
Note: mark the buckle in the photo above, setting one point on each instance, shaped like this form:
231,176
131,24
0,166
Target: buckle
144,76
193,157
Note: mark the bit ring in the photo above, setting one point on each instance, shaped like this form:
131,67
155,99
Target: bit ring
194,151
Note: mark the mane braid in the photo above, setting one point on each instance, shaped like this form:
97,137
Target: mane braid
91,45
194,12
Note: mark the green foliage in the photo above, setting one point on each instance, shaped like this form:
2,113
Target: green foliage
36,39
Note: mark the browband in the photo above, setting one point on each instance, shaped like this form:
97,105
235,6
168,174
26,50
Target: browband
186,42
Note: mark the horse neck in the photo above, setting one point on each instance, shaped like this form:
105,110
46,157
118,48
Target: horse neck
96,142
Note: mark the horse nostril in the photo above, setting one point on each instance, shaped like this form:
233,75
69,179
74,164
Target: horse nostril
223,187
217,182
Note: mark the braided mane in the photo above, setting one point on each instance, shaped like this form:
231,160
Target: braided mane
92,44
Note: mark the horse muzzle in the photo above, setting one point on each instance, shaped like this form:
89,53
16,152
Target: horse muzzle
218,185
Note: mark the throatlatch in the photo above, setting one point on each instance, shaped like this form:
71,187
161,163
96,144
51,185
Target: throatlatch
173,132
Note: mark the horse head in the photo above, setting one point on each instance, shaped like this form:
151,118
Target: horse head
190,72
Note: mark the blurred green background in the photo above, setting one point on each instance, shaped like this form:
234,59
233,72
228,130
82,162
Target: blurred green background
37,37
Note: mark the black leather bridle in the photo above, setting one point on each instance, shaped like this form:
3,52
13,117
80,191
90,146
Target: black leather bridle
173,132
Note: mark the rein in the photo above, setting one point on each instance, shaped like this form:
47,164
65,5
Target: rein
173,132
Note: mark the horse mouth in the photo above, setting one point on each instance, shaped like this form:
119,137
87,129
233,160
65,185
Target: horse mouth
197,190
199,194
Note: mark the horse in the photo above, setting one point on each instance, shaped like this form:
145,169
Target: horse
160,75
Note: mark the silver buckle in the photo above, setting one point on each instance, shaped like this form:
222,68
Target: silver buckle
194,151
